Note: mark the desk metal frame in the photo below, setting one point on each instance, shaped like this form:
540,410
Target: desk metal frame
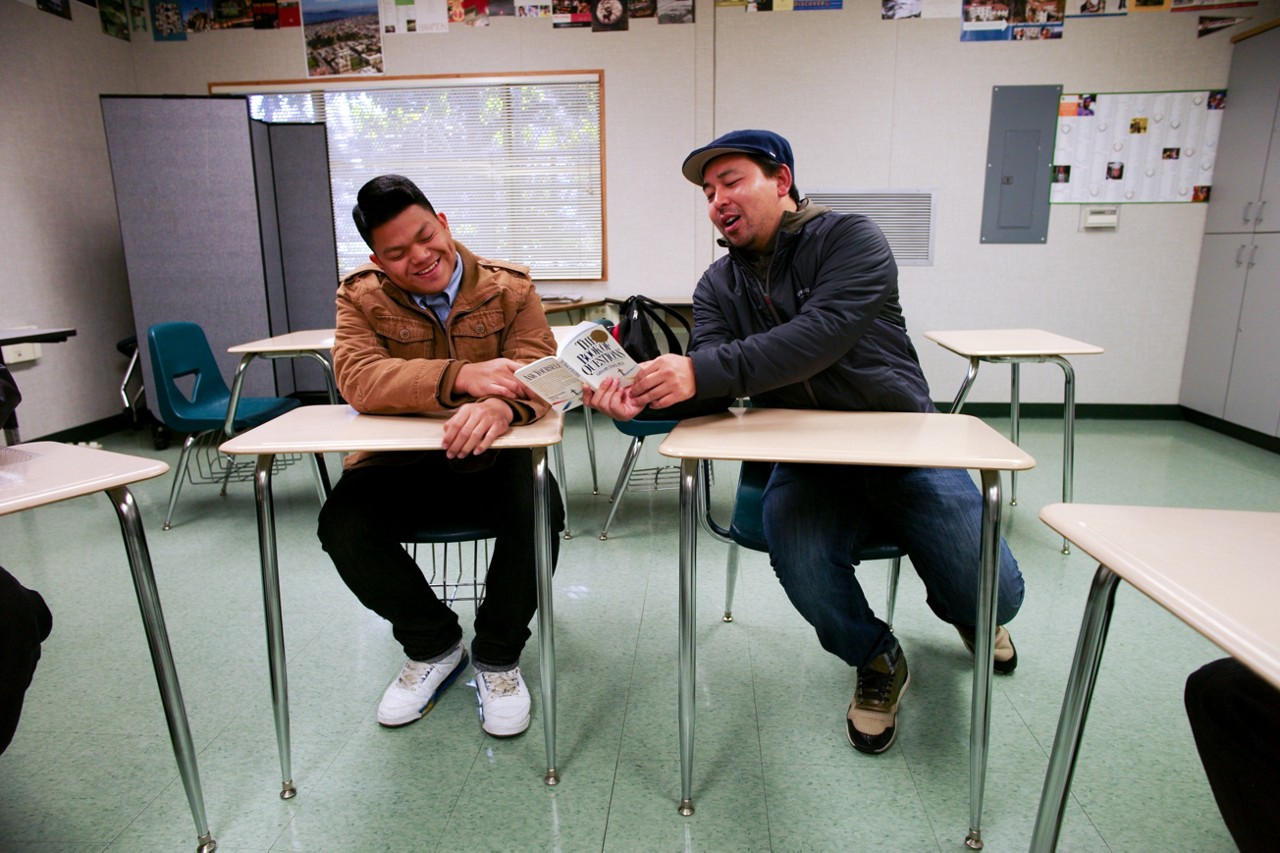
1053,353
921,440
325,429
52,472
1175,557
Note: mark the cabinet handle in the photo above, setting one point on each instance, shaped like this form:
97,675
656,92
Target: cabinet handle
1240,255
1262,205
1248,205
1253,251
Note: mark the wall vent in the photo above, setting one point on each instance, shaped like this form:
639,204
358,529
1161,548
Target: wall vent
905,217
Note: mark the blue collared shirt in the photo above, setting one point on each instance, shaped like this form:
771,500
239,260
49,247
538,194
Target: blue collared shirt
442,303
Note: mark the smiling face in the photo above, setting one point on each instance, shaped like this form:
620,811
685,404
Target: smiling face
416,250
743,202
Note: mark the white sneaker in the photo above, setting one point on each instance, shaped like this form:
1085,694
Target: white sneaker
418,686
504,702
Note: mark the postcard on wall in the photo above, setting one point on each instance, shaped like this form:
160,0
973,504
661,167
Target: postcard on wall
893,10
1136,147
1097,8
1203,5
1209,25
570,13
341,37
608,16
138,16
676,11
166,21
61,8
115,18
1018,20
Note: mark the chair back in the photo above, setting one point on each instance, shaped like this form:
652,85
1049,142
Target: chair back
180,350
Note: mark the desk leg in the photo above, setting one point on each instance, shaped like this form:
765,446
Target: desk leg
1015,423
1075,708
984,653
237,387
546,634
591,448
969,377
144,584
688,645
275,621
1068,434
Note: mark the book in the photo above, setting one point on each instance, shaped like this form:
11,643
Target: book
587,354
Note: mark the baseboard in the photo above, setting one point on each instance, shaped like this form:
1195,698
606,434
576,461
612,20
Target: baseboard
1095,411
1249,436
88,432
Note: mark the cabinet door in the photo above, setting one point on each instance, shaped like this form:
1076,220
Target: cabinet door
1268,217
1253,395
1247,124
1215,313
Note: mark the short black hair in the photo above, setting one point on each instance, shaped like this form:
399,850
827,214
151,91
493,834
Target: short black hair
383,199
772,167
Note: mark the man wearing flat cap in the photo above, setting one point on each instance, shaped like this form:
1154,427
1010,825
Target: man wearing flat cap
803,313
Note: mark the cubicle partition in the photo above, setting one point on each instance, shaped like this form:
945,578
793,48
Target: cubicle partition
225,222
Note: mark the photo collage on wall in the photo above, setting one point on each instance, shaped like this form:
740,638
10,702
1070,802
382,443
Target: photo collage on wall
1136,147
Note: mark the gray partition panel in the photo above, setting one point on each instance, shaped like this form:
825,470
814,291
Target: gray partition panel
188,208
272,265
304,206
1015,204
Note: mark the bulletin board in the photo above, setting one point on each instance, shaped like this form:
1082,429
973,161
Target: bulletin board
1136,147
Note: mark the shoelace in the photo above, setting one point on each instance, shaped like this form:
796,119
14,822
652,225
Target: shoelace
500,684
873,687
414,673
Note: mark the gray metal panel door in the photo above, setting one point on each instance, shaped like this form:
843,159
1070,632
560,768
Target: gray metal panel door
1015,205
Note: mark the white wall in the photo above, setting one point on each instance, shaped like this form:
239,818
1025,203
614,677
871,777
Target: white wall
865,103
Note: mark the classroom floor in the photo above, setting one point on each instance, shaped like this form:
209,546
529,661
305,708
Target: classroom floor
91,766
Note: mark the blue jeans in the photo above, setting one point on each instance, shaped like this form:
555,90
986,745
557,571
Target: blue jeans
815,516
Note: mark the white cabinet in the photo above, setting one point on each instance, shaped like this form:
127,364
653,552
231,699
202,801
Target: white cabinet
1232,365
1246,170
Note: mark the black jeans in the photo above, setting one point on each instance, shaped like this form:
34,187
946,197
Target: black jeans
373,509
25,622
1235,718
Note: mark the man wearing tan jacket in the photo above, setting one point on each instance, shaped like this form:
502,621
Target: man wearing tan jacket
429,328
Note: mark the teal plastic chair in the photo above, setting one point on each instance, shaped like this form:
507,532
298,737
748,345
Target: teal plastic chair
746,530
180,351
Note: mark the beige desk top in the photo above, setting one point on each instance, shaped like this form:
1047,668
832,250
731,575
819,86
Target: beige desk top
44,472
300,341
849,438
994,343
333,429
1216,570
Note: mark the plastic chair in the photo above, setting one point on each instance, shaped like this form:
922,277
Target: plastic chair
746,529
181,350
639,431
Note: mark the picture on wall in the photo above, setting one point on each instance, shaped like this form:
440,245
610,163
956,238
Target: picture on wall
1136,147
342,37
1012,20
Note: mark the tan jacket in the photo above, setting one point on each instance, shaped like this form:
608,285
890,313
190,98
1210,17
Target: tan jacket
391,357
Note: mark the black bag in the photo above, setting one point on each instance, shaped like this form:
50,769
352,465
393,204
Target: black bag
640,316
9,396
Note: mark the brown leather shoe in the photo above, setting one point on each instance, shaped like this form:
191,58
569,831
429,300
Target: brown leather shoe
873,714
1006,656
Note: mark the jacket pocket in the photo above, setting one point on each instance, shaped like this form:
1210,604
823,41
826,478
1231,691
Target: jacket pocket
477,336
406,337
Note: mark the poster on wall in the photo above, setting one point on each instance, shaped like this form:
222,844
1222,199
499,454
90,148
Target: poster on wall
675,12
1012,20
413,16
114,16
894,10
1097,8
1202,5
342,37
166,21
1136,147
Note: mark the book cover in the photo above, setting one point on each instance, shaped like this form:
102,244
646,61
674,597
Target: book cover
587,354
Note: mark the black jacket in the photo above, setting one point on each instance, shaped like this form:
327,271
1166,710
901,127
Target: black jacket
828,335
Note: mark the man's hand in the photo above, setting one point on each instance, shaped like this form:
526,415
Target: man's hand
490,378
612,399
474,426
665,381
